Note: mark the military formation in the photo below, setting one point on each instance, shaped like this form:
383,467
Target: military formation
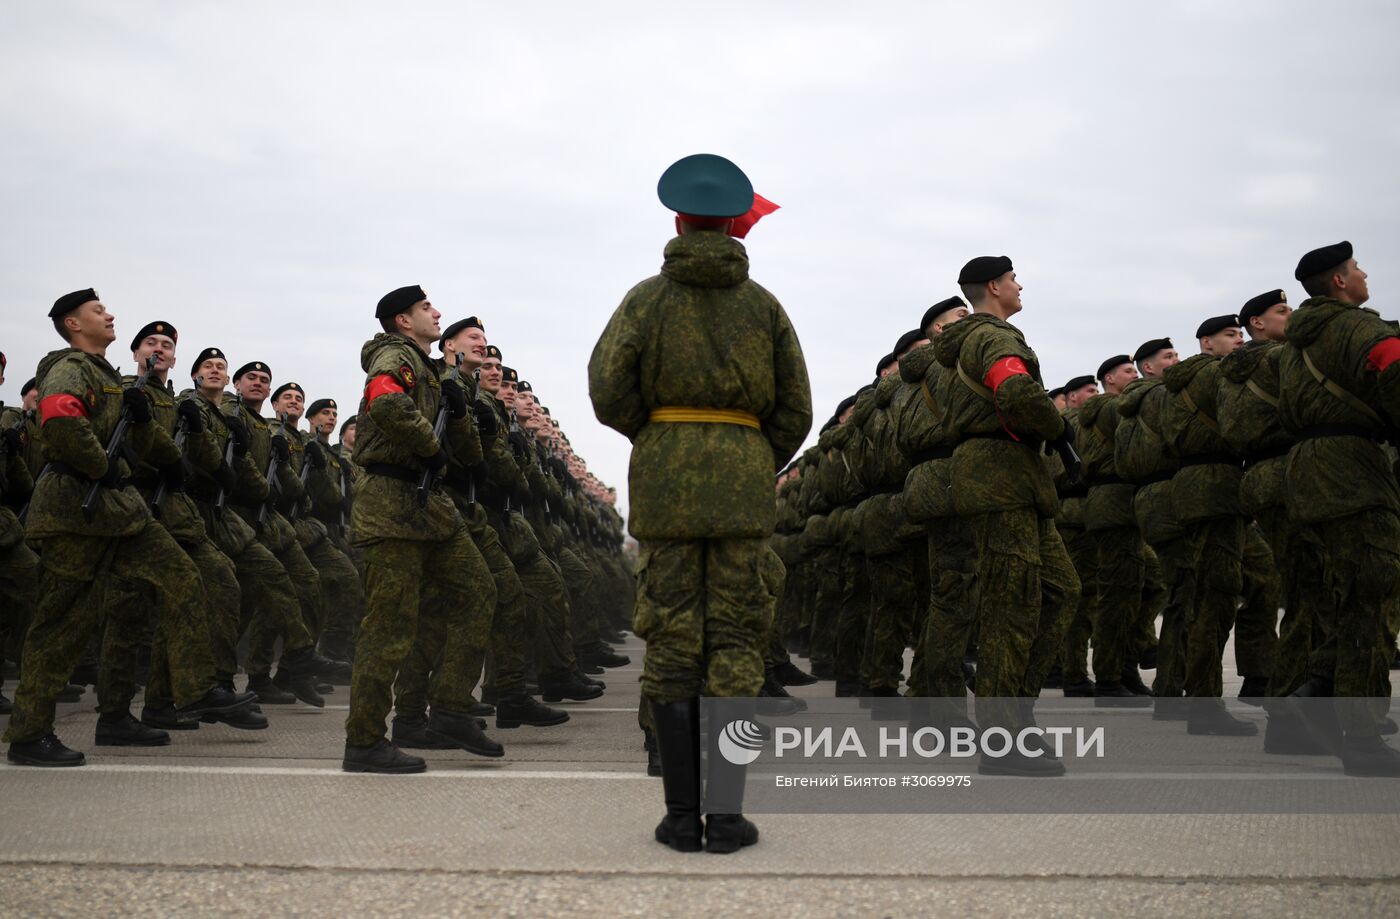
449,558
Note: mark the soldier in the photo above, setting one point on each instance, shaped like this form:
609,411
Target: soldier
1079,390
82,403
1120,556
1206,499
713,407
419,559
19,566
1000,417
1337,395
1057,396
331,506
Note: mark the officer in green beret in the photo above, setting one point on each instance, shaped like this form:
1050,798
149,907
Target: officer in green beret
713,407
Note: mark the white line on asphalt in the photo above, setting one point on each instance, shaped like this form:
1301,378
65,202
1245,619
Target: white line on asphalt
435,773
568,708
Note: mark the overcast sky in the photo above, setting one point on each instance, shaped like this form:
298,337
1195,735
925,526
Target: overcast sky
259,174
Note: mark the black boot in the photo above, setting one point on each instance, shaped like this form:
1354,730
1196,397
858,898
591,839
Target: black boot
122,730
605,657
250,718
6,706
1254,690
781,701
1148,658
382,758
481,709
1318,713
1288,735
269,693
969,672
1055,679
410,732
1208,716
1169,708
300,684
218,700
677,731
46,751
824,670
519,708
1133,681
726,833
70,693
789,674
570,686
1368,756
1114,694
164,717
653,758
1080,689
463,731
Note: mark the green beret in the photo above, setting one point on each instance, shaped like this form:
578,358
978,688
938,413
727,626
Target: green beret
705,185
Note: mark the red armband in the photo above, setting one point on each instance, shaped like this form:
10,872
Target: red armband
1003,370
381,385
61,405
1383,355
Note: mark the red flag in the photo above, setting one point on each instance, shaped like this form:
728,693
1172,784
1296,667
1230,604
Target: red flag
762,207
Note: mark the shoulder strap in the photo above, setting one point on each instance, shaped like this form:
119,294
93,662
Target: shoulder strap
977,388
928,400
1195,410
1259,391
1332,387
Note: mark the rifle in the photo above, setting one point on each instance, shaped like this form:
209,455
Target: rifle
425,484
304,477
274,491
228,456
116,441
5,454
182,434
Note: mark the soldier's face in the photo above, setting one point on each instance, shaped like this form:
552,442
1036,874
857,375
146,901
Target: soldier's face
460,345
162,346
474,344
323,422
946,319
254,385
347,437
93,322
420,321
1076,397
291,403
1116,379
1006,290
1354,284
491,375
888,369
1155,365
215,373
31,400
524,407
1060,403
1223,342
1271,324
507,393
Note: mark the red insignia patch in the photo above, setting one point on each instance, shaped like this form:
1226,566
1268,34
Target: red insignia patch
90,398
406,374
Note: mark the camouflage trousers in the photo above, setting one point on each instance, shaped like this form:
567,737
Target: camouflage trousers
1217,546
581,582
952,608
338,587
1120,565
411,586
826,604
1361,573
269,600
1178,561
1143,639
306,588
1082,554
850,620
1302,590
775,577
507,638
337,639
898,583
130,606
19,582
1256,623
704,607
546,596
71,605
1027,591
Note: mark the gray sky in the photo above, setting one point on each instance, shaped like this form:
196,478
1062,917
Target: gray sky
260,173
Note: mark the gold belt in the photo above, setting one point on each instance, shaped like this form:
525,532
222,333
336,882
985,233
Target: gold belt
682,413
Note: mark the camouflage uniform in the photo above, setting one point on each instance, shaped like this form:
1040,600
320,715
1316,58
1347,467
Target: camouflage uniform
1342,494
1027,586
702,334
120,543
420,561
1070,520
19,566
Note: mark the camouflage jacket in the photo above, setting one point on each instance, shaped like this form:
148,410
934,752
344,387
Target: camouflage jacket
997,462
1329,477
701,334
1250,424
230,532
1110,499
80,404
18,482
1208,483
1072,498
177,512
1142,455
928,488
276,530
394,431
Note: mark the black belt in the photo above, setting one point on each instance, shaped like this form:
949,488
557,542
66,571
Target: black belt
1210,459
1315,431
395,471
943,451
1105,480
1155,478
1255,459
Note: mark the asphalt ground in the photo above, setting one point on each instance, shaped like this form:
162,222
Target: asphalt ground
224,822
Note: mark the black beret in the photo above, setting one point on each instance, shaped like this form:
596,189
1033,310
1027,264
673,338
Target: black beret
203,356
3,363
471,322
705,185
885,361
1256,306
320,405
846,403
509,375
1319,260
984,268
1113,363
938,309
250,367
347,423
1057,391
493,351
295,387
154,328
1079,383
907,340
524,386
831,422
1149,348
396,301
69,302
31,383
1217,324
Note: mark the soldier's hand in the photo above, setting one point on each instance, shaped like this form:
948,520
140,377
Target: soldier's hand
485,418
456,399
13,442
438,461
138,407
189,413
316,455
280,448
